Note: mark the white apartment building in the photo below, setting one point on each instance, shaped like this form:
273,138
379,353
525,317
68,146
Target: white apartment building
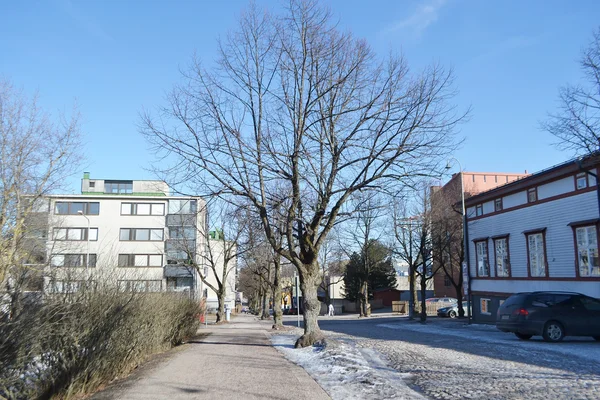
131,233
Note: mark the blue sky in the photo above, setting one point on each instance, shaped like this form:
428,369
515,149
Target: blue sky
115,58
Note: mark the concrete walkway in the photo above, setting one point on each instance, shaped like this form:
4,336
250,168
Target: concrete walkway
236,361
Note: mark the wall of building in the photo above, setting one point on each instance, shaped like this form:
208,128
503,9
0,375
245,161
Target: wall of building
109,221
218,251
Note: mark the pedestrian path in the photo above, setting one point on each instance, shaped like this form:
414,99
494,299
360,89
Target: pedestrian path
236,361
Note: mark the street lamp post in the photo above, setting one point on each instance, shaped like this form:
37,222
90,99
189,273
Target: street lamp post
465,266
87,255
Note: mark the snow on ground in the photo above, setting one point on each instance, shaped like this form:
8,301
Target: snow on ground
347,372
583,347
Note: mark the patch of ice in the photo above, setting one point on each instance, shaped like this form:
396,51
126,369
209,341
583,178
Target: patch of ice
346,372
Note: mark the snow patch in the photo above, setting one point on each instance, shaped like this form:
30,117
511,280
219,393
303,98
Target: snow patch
572,346
346,372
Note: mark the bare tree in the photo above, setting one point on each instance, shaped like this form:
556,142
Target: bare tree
413,234
332,261
294,102
37,153
577,123
447,238
362,233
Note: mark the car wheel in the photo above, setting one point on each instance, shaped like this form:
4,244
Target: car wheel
553,332
523,336
452,314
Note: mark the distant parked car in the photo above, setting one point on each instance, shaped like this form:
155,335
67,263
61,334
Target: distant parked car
452,311
441,301
293,311
553,315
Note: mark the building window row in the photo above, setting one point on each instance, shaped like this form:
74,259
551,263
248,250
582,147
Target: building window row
118,187
71,286
75,234
93,208
139,285
73,260
586,248
142,209
76,207
141,234
140,260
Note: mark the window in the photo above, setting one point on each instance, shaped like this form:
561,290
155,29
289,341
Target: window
479,210
73,260
136,234
140,286
481,254
498,205
182,233
183,206
536,254
531,195
92,184
447,282
581,181
74,207
142,209
590,303
502,257
140,260
69,286
75,234
118,187
484,306
587,251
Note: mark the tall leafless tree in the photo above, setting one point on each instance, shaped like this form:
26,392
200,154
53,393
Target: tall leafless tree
364,230
294,102
577,123
447,238
37,153
413,233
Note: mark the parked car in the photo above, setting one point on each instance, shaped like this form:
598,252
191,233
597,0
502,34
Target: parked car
553,315
441,301
452,311
294,311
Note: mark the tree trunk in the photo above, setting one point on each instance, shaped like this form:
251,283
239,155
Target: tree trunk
312,306
365,311
265,305
260,298
423,317
411,288
459,295
277,314
221,309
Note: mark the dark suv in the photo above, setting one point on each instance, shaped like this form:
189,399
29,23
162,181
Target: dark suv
553,315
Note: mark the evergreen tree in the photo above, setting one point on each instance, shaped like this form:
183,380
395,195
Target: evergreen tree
373,264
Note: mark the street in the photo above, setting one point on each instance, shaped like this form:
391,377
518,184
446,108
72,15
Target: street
447,359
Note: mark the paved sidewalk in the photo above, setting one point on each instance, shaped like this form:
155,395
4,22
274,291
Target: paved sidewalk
236,361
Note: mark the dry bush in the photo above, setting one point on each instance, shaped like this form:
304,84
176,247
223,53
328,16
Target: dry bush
71,344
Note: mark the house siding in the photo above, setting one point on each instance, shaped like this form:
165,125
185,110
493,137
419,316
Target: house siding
554,216
556,188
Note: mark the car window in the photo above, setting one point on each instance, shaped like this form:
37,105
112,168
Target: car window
543,300
515,299
590,303
563,300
